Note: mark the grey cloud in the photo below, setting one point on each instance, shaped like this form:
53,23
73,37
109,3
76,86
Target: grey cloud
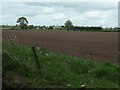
81,13
77,5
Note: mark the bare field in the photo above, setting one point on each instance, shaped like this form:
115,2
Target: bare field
100,46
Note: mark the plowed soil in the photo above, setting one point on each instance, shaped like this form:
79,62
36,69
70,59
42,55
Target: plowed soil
100,46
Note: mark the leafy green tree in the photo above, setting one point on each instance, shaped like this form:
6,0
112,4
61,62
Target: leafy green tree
31,26
23,22
68,25
50,27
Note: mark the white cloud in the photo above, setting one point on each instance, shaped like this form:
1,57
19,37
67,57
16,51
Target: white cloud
48,10
94,15
60,0
59,16
104,14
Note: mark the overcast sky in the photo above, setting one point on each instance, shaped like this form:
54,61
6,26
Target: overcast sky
56,13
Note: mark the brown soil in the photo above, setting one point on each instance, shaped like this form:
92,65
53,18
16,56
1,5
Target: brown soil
100,46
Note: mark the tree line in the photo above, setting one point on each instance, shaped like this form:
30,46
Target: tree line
22,23
68,25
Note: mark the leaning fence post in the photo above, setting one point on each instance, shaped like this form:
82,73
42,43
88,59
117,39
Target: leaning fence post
36,57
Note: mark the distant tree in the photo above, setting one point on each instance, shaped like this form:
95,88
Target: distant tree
44,27
23,22
69,25
31,26
50,27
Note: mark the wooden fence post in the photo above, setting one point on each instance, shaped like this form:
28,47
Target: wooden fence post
36,57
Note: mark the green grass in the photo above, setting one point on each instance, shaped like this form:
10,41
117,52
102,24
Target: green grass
57,70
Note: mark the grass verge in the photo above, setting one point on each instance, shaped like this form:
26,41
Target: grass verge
57,71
